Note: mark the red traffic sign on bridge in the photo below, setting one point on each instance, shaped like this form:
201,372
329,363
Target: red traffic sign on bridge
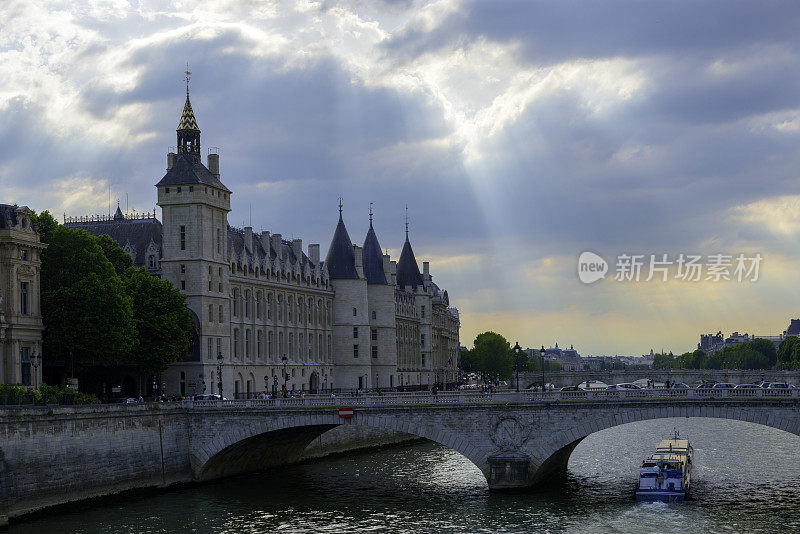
345,413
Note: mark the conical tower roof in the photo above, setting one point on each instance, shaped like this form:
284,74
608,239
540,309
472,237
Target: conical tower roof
341,260
407,269
118,216
372,258
188,122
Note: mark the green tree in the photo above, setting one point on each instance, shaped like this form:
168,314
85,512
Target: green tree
663,361
786,348
163,322
119,259
45,225
493,356
466,361
767,348
85,309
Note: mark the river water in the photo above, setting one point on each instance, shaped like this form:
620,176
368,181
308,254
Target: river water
745,479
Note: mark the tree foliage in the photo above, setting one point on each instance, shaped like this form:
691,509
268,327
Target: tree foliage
756,354
492,355
162,320
100,309
85,309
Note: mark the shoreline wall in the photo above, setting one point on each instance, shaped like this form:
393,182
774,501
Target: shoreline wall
56,455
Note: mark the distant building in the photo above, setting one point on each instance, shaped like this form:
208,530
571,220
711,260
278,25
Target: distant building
569,359
20,313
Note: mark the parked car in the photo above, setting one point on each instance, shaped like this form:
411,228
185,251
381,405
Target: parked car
620,387
679,385
748,386
130,400
570,388
723,385
778,385
209,397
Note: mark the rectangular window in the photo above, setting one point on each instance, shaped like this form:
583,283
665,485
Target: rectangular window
374,316
374,351
191,189
24,255
423,312
355,312
220,314
25,357
355,332
219,245
220,287
23,298
179,189
423,360
183,285
210,349
219,345
166,190
422,340
374,334
183,238
209,285
183,269
355,351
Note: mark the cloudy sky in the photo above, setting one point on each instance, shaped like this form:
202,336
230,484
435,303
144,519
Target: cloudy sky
519,134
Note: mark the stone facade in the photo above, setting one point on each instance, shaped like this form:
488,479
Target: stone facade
275,314
20,312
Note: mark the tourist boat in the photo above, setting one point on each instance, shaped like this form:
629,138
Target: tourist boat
665,476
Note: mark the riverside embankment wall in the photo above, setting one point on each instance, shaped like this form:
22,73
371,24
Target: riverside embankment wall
56,455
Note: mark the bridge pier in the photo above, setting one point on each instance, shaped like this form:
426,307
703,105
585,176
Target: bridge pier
509,471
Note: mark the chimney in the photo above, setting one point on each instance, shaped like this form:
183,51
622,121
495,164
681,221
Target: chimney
359,260
248,238
297,248
213,164
313,253
426,270
265,240
386,267
276,244
171,157
393,272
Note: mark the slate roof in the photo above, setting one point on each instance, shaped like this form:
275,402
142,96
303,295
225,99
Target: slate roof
341,260
407,269
271,258
373,259
187,170
138,233
187,121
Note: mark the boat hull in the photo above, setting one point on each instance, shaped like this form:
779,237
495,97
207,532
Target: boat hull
660,496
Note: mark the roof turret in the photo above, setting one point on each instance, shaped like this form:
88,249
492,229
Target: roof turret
372,257
407,269
341,260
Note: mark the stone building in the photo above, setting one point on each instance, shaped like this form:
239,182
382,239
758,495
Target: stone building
20,313
273,313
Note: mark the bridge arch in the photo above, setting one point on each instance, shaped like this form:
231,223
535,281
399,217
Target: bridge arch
552,453
232,449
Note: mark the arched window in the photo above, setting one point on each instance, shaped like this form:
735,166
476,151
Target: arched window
236,302
210,313
259,302
259,348
248,303
220,313
152,261
235,342
247,346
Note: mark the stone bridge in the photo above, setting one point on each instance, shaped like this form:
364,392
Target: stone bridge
687,376
515,439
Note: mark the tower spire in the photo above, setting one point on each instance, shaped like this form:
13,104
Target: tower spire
370,214
188,130
340,207
406,221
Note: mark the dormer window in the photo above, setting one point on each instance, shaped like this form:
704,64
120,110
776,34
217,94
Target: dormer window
179,189
191,189
23,255
166,190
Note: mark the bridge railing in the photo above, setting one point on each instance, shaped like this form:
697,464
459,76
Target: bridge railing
503,397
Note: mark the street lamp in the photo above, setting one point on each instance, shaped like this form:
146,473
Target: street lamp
219,373
542,351
285,361
36,359
517,350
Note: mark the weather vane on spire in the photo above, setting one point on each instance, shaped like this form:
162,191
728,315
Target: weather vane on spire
340,206
188,76
370,213
406,220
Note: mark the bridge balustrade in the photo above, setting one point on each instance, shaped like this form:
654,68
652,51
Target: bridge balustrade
502,397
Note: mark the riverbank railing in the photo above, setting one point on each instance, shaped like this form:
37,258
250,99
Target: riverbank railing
502,397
